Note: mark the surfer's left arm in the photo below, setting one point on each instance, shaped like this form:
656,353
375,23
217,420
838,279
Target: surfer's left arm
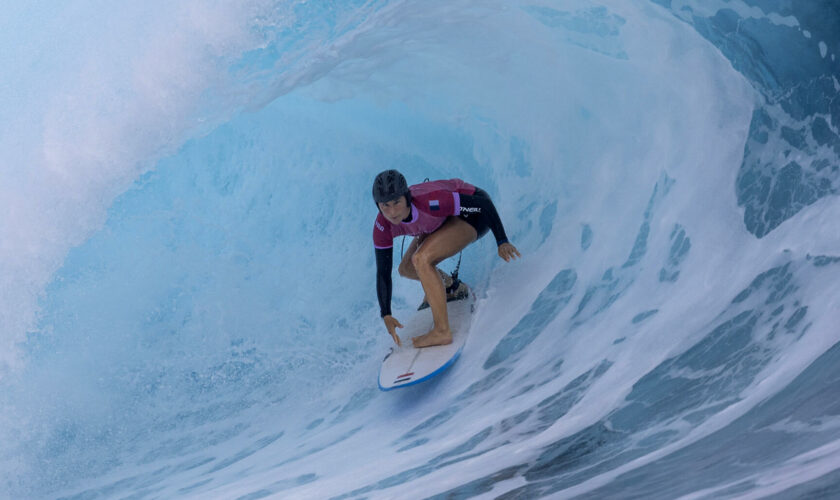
488,210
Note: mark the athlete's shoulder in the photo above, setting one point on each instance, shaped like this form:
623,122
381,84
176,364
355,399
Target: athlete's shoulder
382,235
381,222
440,203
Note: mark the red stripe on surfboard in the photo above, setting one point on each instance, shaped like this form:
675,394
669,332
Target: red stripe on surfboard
405,375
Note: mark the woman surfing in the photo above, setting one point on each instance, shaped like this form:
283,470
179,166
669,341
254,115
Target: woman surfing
444,216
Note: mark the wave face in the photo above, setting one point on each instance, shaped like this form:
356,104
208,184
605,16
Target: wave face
188,303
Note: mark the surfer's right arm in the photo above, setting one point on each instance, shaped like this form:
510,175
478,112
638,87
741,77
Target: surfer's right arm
383,244
384,264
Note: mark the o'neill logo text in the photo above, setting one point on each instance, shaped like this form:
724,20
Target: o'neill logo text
379,226
471,209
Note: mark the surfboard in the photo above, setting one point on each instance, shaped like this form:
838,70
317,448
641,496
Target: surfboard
405,366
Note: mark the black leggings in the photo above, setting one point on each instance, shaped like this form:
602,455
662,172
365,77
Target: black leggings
477,220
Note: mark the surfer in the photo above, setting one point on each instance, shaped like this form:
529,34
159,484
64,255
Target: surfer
444,216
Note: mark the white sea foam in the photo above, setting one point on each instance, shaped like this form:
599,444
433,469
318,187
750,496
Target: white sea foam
98,97
208,323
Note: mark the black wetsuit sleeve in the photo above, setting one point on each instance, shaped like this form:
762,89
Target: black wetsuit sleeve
384,262
487,210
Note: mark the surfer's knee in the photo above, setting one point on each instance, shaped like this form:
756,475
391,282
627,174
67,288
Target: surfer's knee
421,258
406,268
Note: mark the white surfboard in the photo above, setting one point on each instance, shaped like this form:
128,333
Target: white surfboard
407,365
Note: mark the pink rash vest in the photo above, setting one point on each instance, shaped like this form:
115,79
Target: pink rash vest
431,203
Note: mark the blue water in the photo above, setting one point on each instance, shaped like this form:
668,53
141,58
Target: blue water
187,302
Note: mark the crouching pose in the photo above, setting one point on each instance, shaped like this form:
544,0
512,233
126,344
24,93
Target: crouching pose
444,216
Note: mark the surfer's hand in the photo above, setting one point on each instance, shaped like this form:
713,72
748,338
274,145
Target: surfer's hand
508,252
391,323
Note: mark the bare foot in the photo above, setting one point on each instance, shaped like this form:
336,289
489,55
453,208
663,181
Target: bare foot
434,337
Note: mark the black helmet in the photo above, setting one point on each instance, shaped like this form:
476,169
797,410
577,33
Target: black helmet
390,185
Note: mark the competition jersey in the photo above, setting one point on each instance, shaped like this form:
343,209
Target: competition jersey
431,203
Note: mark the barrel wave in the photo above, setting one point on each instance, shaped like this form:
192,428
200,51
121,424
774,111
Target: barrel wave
188,305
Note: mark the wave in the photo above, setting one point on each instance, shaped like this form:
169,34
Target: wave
188,298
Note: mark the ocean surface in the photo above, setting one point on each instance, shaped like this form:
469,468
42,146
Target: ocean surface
187,293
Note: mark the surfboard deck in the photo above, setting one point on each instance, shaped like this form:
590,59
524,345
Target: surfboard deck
407,365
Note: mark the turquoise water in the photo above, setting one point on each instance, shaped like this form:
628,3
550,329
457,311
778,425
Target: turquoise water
188,303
